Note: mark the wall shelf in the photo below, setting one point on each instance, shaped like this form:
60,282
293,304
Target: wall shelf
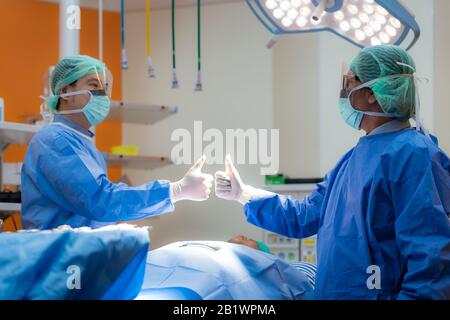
139,113
137,162
9,207
16,133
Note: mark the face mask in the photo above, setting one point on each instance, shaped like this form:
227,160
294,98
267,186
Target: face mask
351,116
354,117
96,110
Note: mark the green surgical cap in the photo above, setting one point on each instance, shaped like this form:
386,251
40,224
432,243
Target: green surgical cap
396,96
69,70
263,247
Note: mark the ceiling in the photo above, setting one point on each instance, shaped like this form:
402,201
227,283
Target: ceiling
139,5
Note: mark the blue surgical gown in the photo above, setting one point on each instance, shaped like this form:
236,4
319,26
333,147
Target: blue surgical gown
109,263
64,181
385,205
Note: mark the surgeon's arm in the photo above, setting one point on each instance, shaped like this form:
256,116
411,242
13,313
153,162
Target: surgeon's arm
72,178
285,215
422,204
277,213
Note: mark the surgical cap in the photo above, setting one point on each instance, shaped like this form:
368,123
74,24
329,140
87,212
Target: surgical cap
263,247
396,96
68,71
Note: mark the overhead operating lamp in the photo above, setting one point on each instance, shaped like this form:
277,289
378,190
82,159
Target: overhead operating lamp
361,22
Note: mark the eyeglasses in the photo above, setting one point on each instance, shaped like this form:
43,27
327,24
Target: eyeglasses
98,92
349,81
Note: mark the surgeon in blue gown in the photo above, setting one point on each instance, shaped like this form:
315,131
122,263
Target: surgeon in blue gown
64,177
382,213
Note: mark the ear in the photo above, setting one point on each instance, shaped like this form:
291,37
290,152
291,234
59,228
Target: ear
65,90
372,99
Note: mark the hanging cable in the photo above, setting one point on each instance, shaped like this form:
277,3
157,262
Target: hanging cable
14,222
122,16
174,62
150,69
198,85
100,30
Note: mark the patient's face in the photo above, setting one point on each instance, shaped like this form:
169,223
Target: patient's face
241,239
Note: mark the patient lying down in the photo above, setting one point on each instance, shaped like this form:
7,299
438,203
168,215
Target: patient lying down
233,270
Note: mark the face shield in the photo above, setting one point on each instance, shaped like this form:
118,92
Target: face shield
348,81
90,94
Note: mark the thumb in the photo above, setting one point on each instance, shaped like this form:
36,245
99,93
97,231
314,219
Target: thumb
230,169
199,164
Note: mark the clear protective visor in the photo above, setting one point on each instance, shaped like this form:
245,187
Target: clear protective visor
95,83
349,80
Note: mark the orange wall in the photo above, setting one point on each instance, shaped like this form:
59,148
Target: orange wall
29,35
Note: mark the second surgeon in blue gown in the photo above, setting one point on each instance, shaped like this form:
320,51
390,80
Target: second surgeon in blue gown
64,176
381,214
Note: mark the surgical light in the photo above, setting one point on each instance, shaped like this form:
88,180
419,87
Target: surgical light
391,31
302,21
368,8
368,31
364,17
375,41
355,23
339,15
285,5
296,3
278,13
360,35
292,13
286,21
361,22
375,25
305,11
271,4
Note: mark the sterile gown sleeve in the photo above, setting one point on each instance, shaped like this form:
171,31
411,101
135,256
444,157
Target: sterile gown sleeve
422,206
287,216
75,180
291,217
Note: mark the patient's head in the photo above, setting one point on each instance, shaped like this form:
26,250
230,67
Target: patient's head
241,239
257,245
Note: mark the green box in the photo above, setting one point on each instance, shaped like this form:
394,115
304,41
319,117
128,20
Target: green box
271,180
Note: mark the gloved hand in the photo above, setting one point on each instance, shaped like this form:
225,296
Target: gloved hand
229,185
195,185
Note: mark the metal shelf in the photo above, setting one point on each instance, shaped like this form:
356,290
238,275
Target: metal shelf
16,133
7,209
137,162
10,206
139,113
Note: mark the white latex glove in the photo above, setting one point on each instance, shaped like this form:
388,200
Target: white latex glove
195,185
229,185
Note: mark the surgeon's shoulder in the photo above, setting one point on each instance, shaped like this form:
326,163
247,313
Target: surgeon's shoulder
343,159
335,170
50,136
410,153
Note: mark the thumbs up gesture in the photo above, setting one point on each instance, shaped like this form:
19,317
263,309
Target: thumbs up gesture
195,185
228,183
229,186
